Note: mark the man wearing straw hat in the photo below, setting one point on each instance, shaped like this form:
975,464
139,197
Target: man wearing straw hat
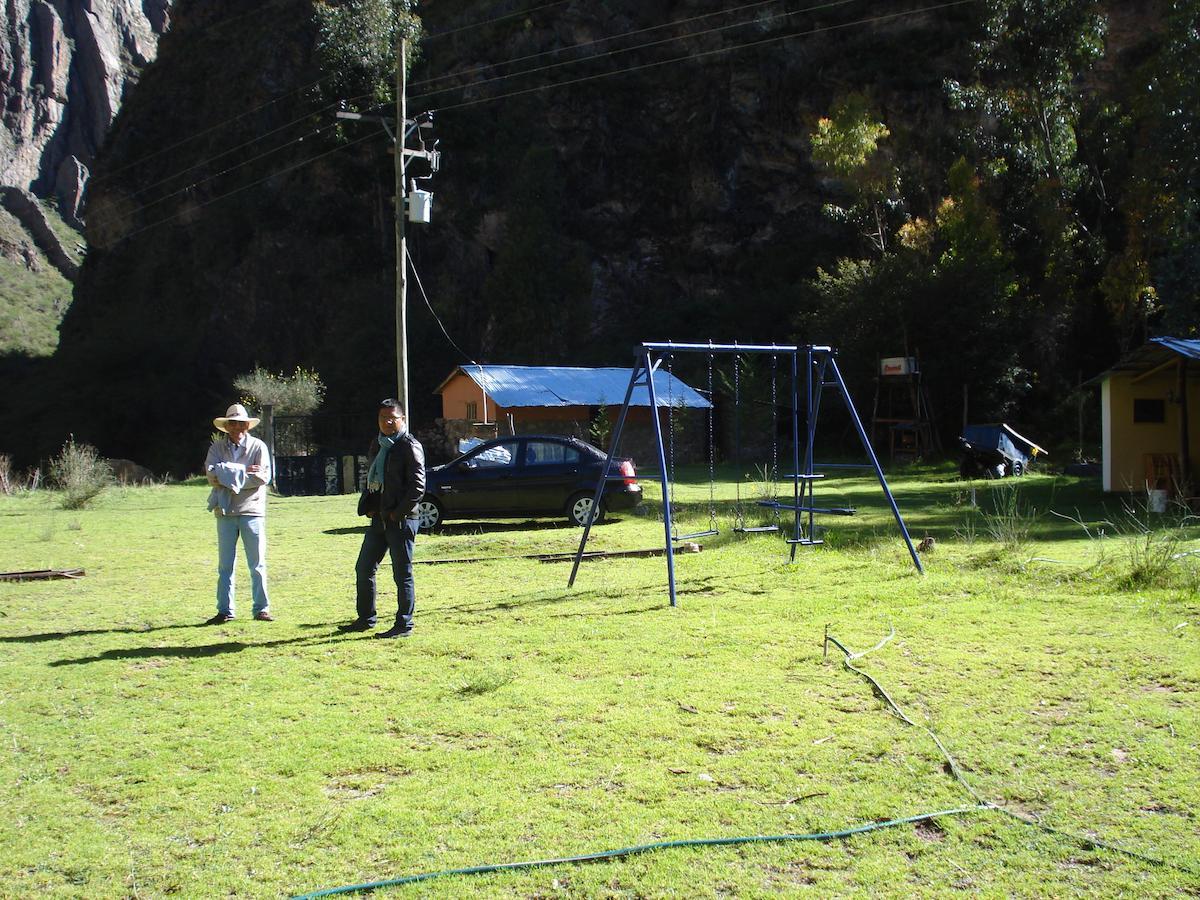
238,467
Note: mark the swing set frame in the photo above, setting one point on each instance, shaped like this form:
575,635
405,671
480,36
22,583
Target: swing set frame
820,371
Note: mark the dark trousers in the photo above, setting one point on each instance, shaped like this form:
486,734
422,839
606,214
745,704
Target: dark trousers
397,538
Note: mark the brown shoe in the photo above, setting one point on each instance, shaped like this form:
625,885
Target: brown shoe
218,619
264,616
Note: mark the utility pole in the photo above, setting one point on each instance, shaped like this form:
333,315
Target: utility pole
418,210
400,213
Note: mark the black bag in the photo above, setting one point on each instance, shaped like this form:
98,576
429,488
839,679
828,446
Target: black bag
368,503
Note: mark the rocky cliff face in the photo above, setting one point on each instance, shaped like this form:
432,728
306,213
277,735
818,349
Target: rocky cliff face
673,200
65,67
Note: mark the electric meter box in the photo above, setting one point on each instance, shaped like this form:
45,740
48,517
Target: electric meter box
898,365
420,207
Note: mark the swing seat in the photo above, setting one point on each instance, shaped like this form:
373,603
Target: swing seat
756,529
806,542
696,534
828,510
801,477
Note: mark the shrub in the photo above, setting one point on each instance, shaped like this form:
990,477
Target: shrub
80,473
13,482
298,394
1011,520
600,428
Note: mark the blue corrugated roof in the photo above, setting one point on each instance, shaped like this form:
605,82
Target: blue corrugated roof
514,386
1182,346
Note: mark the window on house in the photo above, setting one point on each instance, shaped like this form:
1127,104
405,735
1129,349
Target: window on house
1149,411
472,411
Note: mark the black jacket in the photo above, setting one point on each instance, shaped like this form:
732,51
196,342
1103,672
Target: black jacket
403,481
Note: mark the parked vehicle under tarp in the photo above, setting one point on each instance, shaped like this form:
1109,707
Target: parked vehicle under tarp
995,451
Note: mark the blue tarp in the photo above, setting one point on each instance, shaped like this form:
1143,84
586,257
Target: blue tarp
1003,440
517,386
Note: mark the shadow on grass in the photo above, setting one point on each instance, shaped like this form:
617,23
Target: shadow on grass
192,651
473,527
84,632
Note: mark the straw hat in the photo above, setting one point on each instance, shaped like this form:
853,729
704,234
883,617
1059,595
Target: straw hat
235,413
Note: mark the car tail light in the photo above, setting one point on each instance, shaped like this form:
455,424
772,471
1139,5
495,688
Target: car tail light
626,469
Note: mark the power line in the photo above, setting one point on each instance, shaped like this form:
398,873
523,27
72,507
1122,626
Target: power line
245,162
265,7
222,123
603,40
526,12
425,297
253,140
668,40
700,55
245,187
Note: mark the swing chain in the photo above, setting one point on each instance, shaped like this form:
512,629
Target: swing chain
712,503
739,519
670,437
775,434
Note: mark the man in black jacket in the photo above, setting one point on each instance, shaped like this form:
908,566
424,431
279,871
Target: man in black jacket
395,484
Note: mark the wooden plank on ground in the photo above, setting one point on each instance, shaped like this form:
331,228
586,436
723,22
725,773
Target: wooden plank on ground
41,574
565,556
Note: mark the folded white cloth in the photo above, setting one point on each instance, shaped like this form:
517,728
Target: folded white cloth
233,478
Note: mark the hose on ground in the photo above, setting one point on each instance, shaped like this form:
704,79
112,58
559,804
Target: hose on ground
982,805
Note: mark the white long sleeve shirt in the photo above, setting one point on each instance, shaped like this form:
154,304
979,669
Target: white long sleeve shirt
251,500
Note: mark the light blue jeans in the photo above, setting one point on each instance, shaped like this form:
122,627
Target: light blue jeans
253,532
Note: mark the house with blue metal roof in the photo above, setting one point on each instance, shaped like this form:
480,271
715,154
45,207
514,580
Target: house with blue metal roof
1150,418
554,399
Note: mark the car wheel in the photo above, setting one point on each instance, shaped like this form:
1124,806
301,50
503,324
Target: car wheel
579,509
429,512
1016,468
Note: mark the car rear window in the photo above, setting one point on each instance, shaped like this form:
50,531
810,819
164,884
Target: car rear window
546,453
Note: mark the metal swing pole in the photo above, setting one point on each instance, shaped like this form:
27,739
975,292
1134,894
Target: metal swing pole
662,467
862,436
598,494
812,431
795,453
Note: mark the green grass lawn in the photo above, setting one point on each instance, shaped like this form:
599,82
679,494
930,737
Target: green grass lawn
143,755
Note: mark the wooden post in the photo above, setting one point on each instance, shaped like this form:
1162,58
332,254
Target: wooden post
1185,456
401,213
269,436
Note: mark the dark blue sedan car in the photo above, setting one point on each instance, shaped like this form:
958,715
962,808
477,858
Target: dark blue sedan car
527,475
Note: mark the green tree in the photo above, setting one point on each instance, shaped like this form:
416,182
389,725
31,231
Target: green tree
1027,92
356,43
298,394
1162,206
1022,109
847,143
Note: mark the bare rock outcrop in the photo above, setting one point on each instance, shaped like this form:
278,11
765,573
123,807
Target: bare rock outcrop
64,68
29,212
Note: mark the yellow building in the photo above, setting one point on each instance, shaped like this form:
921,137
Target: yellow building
1150,418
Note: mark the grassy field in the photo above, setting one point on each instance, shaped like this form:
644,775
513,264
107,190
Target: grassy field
144,755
